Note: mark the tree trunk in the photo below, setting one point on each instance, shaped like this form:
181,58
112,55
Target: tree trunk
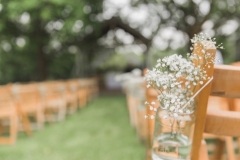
147,57
42,64
81,64
237,51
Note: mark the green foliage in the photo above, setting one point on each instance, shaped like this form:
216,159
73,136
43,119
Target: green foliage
116,62
61,66
192,17
36,32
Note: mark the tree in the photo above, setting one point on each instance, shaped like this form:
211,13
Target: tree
41,34
38,33
171,23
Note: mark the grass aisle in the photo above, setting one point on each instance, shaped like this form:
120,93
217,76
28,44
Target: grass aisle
101,131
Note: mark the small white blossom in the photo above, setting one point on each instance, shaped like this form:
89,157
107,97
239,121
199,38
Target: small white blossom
175,115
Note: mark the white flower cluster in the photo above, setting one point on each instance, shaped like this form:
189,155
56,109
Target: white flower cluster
176,78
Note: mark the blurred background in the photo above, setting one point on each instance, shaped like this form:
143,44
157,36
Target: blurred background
57,39
44,40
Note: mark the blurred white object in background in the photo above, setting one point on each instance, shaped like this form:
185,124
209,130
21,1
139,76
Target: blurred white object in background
219,58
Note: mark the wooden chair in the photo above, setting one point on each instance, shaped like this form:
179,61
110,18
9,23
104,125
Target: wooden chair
54,100
91,86
214,103
8,116
71,96
222,142
141,126
30,107
83,92
225,123
151,96
225,83
132,103
94,85
135,98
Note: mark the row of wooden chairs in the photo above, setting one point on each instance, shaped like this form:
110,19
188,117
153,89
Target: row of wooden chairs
28,106
145,127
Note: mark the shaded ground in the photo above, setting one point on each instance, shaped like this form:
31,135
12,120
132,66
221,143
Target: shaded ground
101,131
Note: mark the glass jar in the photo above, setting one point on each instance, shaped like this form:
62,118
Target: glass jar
172,137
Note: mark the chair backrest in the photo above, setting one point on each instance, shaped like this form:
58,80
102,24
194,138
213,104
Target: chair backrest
50,89
5,93
6,101
225,83
26,92
235,103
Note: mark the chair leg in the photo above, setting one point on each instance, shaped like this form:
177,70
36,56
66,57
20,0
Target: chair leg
219,150
238,142
82,101
230,148
1,128
72,106
82,98
203,153
40,119
26,124
62,112
148,154
13,129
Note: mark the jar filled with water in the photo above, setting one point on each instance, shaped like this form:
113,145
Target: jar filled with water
172,137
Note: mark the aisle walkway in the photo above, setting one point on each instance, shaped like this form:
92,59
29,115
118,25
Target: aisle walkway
101,131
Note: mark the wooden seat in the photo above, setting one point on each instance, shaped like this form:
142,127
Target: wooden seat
8,116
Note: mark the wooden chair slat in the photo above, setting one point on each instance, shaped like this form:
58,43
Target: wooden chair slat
224,83
229,120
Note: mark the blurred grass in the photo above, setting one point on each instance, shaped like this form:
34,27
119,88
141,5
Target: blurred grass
101,131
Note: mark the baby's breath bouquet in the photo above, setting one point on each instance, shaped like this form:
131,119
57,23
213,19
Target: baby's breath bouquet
177,81
175,78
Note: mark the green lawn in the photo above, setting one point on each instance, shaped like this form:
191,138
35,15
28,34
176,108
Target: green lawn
101,131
